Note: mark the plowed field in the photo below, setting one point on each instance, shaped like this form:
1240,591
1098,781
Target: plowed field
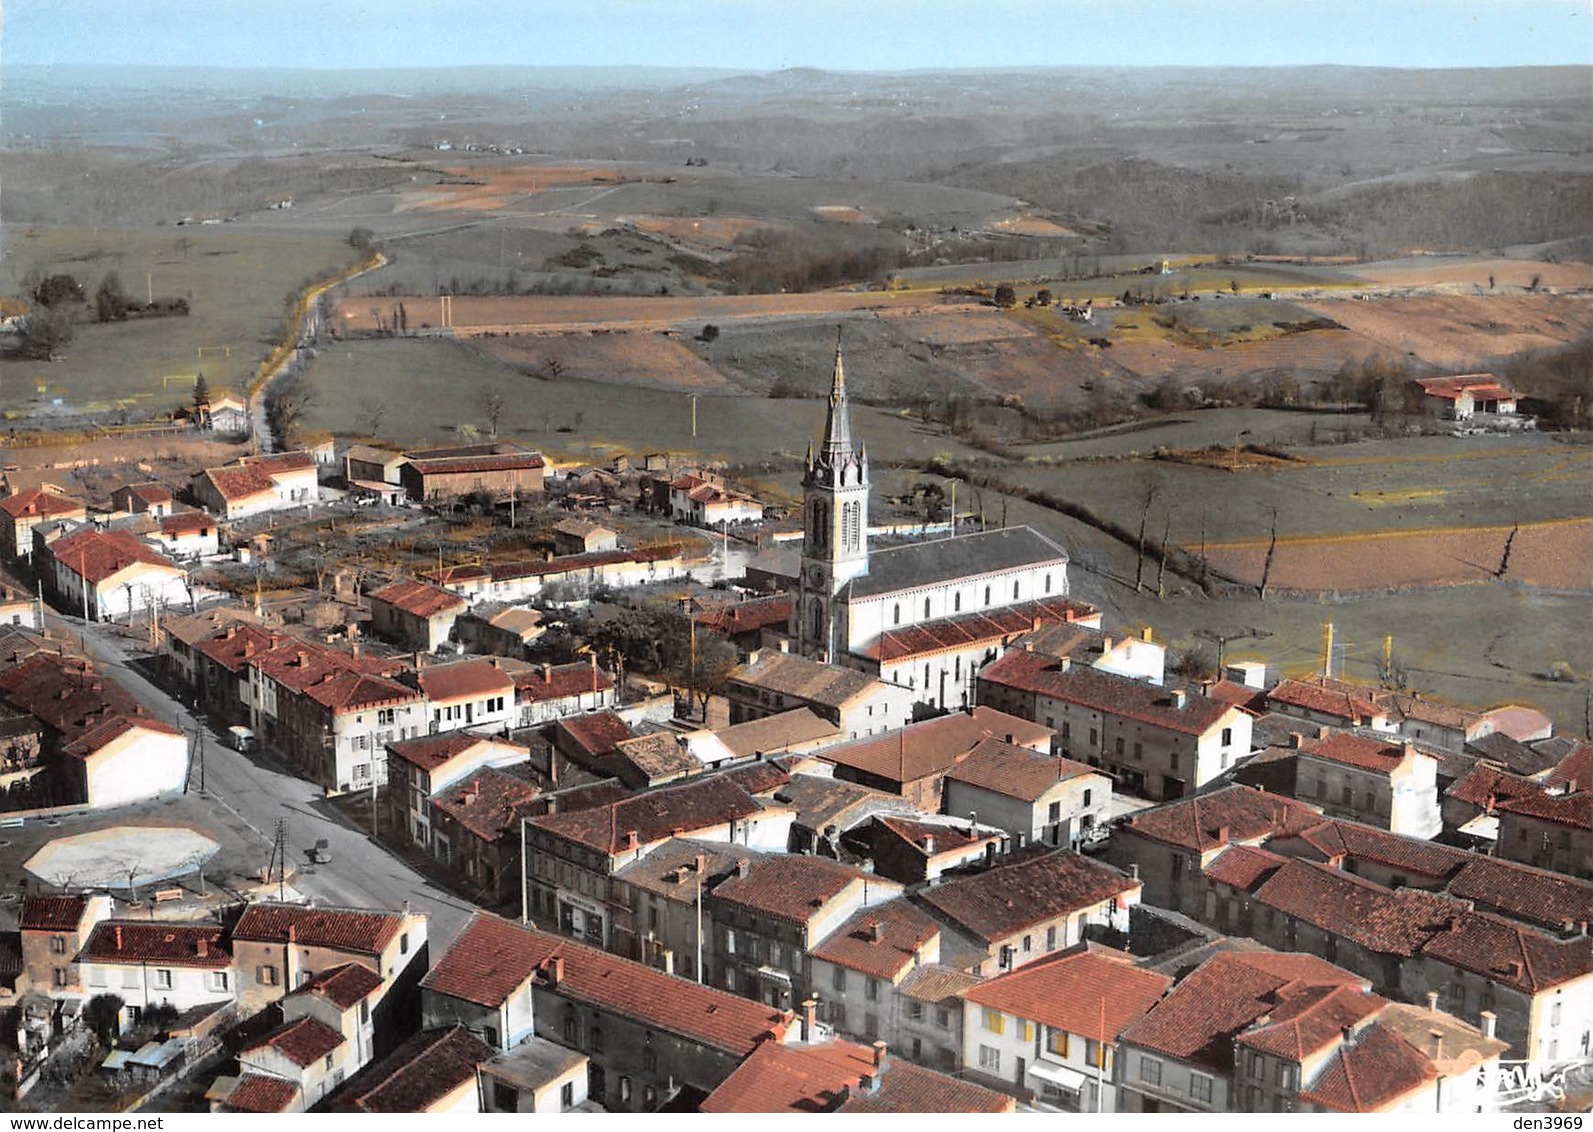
1462,330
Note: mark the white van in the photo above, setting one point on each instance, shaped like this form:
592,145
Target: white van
242,739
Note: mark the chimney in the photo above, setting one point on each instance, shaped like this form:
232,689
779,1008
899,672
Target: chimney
1133,870
743,867
879,1055
1409,749
699,863
1180,698
928,845
1349,1037
1438,1043
785,644
876,932
553,969
1432,1001
117,932
1065,663
1488,1022
547,673
632,839
1296,741
810,1018
868,1084
1221,834
1146,635
1106,644
202,947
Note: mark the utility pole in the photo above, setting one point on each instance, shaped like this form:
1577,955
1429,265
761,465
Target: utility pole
525,900
1327,649
694,416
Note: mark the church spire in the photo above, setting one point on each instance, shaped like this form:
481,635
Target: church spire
838,423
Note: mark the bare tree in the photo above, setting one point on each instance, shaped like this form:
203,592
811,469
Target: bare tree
1272,546
1150,491
492,406
553,365
1504,557
1161,557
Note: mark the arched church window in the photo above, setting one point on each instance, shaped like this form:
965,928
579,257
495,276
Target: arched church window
818,619
854,526
1048,583
987,595
1014,590
926,607
896,612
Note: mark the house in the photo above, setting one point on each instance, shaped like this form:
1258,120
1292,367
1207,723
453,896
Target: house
528,579
571,856
26,509
647,1034
706,502
1390,785
535,1076
344,999
828,809
498,629
143,499
252,485
1033,795
53,931
17,609
373,469
1169,846
1552,829
475,829
1462,396
1434,724
498,470
770,911
589,742
187,535
110,574
657,902
857,971
915,760
306,1052
938,657
468,693
1333,703
1018,910
1185,1054
419,769
555,691
256,1093
414,614
100,746
750,625
153,963
226,413
916,850
840,1076
858,704
278,948
579,536
929,1012
798,731
433,1072
1158,742
1053,1027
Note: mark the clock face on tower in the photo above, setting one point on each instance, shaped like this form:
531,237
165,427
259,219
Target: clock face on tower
816,575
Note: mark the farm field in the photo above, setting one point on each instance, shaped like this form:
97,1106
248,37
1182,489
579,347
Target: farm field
239,286
1462,330
430,388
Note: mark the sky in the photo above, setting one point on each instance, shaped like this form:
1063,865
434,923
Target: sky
769,35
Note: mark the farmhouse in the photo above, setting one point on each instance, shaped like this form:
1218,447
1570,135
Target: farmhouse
708,503
111,574
21,512
251,485
1461,397
417,769
496,470
186,535
143,499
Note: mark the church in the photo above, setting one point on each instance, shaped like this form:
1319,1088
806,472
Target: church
925,615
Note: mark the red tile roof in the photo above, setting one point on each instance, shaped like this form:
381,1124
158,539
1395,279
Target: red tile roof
1522,892
257,1092
561,681
492,957
1362,753
429,752
1094,993
793,1079
790,887
882,941
418,599
35,502
74,698
653,816
932,747
1372,1075
464,680
943,837
746,616
1017,772
98,555
416,1075
344,986
1486,784
1243,866
1335,840
304,1041
762,776
1308,1022
151,493
1572,810
451,466
778,732
1201,1016
596,732
906,1087
338,929
187,523
1210,821
1481,385
52,913
970,630
146,941
237,483
1001,901
1516,721
1328,697
488,804
1105,692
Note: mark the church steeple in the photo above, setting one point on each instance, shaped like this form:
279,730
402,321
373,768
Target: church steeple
835,514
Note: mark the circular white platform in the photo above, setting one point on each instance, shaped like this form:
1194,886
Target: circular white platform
123,854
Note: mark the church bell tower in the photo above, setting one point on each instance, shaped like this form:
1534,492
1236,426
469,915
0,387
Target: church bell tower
835,528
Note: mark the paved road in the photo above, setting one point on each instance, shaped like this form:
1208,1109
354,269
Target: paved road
362,874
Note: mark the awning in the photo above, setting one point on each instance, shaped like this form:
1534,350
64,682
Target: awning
1070,1079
